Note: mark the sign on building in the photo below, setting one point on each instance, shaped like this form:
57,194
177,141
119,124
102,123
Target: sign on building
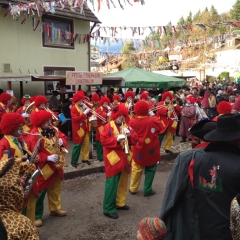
83,78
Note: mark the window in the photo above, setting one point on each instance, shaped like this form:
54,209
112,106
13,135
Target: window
57,32
56,85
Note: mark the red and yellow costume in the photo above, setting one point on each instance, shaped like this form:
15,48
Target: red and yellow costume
17,148
167,120
117,165
146,153
144,96
80,131
4,99
102,111
51,181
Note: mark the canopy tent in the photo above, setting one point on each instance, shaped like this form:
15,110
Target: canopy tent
138,78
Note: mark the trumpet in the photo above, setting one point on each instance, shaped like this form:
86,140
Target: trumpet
88,103
94,113
125,141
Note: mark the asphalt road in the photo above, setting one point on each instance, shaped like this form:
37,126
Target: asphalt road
82,199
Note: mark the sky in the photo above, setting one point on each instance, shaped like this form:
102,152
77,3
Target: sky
153,13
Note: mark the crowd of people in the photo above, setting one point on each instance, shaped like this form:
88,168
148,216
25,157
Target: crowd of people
131,128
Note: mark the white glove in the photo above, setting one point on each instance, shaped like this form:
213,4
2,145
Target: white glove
86,111
60,142
108,107
109,114
25,115
120,137
151,113
52,158
129,105
127,132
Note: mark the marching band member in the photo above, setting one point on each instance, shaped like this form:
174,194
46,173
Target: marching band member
129,104
146,153
167,114
188,118
49,152
16,226
95,101
26,100
115,161
105,113
4,104
40,102
80,130
12,127
144,97
116,100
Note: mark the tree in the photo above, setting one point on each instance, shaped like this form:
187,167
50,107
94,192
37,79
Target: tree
189,18
128,47
214,14
235,11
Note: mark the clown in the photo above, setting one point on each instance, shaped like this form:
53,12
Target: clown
129,104
223,108
80,130
105,112
116,100
145,97
12,127
167,114
4,104
50,148
117,165
146,153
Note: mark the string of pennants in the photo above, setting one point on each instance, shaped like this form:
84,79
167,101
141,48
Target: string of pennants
42,6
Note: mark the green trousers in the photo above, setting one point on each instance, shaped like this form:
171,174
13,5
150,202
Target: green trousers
161,137
149,176
40,204
111,187
76,153
99,151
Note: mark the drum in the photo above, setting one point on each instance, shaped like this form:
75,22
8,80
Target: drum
62,118
93,121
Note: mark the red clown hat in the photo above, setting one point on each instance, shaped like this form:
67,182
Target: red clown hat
10,121
144,96
103,100
95,97
118,111
224,107
141,108
129,94
4,97
167,94
79,95
115,96
39,100
38,117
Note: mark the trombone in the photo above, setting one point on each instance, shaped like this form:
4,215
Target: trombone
94,113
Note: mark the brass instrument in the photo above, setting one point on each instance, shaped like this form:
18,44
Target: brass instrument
125,141
88,103
29,110
60,151
56,120
175,103
94,113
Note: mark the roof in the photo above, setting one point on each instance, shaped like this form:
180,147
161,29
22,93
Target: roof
87,15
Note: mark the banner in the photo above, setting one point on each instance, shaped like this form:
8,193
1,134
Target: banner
83,78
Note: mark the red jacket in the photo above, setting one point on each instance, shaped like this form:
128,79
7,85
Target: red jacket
100,124
49,169
114,157
80,125
147,151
